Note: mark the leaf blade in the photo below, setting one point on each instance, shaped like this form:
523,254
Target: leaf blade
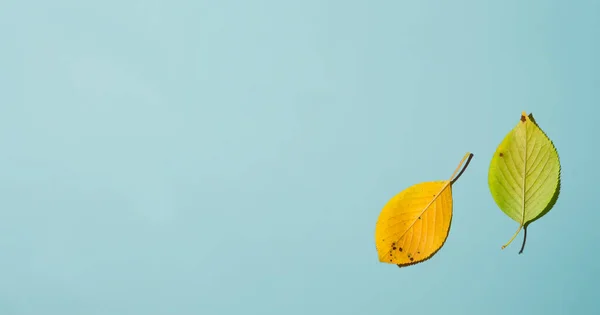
414,224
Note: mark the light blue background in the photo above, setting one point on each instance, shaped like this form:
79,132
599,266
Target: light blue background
232,157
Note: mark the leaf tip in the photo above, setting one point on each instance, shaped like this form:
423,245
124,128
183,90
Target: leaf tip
523,116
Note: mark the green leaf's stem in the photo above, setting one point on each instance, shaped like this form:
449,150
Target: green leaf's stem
512,238
524,240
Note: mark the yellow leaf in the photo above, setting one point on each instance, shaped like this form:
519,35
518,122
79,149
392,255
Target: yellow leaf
415,223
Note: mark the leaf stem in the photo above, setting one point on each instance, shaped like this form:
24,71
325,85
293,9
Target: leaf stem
524,240
469,156
512,238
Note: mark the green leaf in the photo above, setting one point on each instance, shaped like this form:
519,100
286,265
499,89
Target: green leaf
524,175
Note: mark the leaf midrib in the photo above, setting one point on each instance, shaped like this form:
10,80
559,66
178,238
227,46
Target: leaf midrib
523,188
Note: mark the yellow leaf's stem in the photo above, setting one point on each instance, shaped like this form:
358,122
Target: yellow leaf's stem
512,238
468,158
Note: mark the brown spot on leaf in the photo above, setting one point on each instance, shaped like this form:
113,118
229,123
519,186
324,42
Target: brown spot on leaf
400,248
411,259
523,118
501,154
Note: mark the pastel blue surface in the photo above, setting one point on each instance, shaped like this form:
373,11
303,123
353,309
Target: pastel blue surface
232,157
